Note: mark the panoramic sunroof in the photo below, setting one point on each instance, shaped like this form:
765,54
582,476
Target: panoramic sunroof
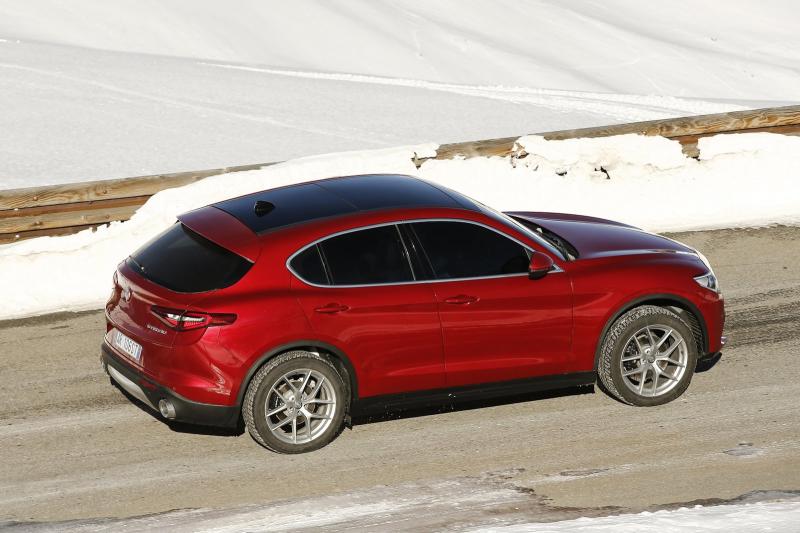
276,208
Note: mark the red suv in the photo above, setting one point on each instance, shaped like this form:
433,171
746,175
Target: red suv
293,308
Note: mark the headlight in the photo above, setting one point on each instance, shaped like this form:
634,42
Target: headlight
709,281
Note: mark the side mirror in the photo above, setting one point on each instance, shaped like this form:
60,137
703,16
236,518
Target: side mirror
540,265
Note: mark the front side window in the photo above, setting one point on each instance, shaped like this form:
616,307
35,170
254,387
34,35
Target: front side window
366,257
463,250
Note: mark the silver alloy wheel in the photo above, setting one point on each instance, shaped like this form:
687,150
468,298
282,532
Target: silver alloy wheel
300,406
654,360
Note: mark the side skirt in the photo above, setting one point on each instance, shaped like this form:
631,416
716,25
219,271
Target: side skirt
483,391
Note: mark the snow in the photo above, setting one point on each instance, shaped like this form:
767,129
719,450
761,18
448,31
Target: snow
478,503
677,48
647,182
100,89
775,517
78,114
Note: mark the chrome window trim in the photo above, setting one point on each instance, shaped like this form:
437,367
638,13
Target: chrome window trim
556,269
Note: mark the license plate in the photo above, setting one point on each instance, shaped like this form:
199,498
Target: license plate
128,346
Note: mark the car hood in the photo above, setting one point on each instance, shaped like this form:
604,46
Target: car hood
598,237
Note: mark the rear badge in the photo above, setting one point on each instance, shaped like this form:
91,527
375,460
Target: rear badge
157,330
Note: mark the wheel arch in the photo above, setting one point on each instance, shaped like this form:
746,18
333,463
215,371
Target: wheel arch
337,357
684,308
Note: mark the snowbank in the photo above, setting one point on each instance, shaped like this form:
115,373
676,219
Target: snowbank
740,180
777,517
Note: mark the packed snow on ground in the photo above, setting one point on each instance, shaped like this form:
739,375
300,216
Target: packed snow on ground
776,517
740,180
98,89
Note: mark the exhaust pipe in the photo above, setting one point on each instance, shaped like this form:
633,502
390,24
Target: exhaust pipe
166,408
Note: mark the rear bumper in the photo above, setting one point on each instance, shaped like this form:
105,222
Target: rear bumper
151,393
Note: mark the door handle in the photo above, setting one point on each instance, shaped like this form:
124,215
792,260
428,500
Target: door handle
332,308
461,299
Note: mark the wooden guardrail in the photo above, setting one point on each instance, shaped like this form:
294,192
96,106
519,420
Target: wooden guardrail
64,209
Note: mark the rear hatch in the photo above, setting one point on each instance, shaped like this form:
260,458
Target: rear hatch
206,250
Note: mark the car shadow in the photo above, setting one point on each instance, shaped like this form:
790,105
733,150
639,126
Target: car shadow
358,419
704,365
400,413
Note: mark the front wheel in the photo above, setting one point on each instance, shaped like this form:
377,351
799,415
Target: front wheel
295,403
648,356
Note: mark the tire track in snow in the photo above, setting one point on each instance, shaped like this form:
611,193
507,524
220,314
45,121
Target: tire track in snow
620,106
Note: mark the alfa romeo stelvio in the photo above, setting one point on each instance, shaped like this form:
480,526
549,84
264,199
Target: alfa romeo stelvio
291,310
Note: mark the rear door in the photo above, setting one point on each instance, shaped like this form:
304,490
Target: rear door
497,324
359,291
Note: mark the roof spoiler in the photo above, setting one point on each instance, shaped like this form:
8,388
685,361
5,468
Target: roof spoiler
223,229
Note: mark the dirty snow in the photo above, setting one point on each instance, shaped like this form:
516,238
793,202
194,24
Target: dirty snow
776,517
740,180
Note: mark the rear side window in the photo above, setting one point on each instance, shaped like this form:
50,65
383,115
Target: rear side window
308,265
184,261
462,250
368,256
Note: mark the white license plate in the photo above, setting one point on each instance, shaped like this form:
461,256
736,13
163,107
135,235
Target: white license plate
128,346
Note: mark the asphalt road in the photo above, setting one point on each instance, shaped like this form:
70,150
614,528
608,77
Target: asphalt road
72,447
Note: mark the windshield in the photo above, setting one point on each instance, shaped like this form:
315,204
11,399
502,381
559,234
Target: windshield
514,224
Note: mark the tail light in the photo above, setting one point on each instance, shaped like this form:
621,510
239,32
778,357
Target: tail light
181,320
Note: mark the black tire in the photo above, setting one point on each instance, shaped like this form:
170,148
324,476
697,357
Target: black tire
254,410
609,367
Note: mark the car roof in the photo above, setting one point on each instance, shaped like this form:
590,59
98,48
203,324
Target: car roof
314,200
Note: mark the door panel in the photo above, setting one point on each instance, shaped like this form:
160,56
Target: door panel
497,324
364,300
508,328
391,333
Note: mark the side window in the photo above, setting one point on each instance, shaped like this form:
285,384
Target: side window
369,256
308,265
462,250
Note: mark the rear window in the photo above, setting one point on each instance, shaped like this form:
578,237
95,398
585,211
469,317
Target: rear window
183,261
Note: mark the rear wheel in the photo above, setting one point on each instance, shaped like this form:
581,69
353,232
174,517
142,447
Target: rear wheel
648,356
296,403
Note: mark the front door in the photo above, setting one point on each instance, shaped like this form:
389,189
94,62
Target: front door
497,324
